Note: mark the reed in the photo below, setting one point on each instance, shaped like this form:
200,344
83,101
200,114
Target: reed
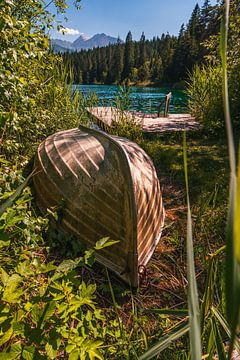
233,228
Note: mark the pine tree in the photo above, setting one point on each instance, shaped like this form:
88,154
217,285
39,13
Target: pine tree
156,71
117,63
194,25
181,31
128,57
142,50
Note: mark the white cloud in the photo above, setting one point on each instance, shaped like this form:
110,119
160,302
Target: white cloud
68,31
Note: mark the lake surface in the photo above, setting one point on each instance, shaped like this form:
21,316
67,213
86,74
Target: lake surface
145,99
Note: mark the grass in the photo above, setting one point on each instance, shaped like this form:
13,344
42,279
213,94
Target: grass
128,315
165,284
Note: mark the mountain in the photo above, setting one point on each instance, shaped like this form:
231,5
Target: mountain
61,45
83,43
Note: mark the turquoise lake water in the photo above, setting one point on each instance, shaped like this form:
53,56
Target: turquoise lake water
145,99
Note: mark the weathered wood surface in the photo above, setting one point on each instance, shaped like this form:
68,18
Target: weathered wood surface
166,103
105,186
106,116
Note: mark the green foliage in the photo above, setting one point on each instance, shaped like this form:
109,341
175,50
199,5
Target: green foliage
32,89
205,96
124,125
165,342
205,86
48,310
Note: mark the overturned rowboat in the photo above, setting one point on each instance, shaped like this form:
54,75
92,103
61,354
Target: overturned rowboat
109,188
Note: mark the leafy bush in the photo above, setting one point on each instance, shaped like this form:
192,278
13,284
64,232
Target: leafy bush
48,308
35,99
123,124
205,96
205,83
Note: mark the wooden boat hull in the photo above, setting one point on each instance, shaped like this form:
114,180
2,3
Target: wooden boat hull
106,186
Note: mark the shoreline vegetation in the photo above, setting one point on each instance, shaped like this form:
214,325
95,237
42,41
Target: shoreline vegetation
55,301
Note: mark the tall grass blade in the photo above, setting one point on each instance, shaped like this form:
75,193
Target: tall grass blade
13,197
193,304
114,304
210,284
218,340
223,52
232,230
237,217
165,341
225,326
207,297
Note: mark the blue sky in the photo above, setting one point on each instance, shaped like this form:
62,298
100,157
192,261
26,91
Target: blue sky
117,17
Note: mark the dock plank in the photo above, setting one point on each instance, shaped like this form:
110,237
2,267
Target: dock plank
106,116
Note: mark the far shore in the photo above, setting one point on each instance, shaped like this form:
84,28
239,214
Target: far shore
181,85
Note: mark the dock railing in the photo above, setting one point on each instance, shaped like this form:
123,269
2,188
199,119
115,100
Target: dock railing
166,103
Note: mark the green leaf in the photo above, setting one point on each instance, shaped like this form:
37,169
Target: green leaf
26,47
13,353
193,303
93,350
51,353
208,292
46,42
104,242
232,229
218,341
237,216
46,314
4,277
211,343
35,313
12,291
45,268
70,348
22,80
13,197
5,313
4,239
89,257
3,319
28,352
18,328
4,243
6,336
65,267
165,341
74,355
91,347
225,326
24,269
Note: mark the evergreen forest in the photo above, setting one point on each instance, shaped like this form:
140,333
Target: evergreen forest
162,60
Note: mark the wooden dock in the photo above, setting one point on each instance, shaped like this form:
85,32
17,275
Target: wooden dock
106,116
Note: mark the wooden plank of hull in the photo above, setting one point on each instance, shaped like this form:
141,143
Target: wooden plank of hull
107,186
150,212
